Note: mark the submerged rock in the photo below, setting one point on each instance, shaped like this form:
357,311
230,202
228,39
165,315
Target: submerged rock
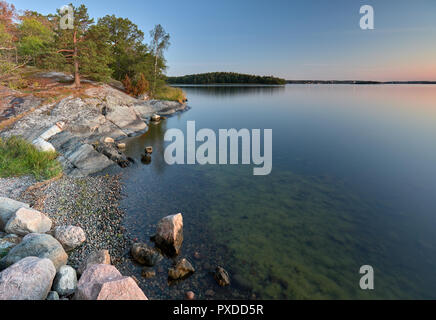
222,277
96,257
169,237
70,237
148,273
145,255
36,245
65,282
29,279
181,270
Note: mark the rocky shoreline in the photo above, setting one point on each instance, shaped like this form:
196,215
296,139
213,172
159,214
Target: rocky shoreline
84,129
79,126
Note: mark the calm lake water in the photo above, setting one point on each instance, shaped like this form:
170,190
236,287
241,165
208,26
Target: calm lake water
353,184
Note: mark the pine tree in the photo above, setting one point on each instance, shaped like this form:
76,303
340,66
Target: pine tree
85,49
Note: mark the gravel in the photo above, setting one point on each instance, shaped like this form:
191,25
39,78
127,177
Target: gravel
91,203
13,187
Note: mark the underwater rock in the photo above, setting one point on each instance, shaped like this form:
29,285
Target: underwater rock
181,270
148,273
222,277
145,255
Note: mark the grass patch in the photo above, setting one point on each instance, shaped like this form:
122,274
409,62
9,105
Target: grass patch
170,94
20,158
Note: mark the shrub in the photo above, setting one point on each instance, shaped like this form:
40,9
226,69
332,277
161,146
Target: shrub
142,86
128,85
170,94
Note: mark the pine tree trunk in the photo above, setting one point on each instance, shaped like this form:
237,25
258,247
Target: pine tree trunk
155,75
76,62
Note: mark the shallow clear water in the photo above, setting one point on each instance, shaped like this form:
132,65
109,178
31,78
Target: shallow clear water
353,184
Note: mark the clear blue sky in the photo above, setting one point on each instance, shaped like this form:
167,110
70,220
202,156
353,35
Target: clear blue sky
294,39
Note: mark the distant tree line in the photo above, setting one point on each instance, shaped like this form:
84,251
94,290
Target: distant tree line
112,47
225,78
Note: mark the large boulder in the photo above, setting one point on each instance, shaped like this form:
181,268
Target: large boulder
145,255
105,282
70,237
7,208
181,270
65,282
96,257
36,245
29,279
169,236
26,221
121,289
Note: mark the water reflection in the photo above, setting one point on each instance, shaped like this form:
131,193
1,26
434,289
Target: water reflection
233,90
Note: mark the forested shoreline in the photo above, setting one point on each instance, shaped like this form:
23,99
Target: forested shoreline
100,50
226,78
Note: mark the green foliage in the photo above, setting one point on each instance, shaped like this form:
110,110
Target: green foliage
111,48
96,55
19,158
226,78
127,48
34,38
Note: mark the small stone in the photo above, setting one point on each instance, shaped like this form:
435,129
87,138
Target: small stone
190,295
149,150
65,282
155,118
70,237
222,277
52,296
197,255
148,273
181,270
109,140
121,146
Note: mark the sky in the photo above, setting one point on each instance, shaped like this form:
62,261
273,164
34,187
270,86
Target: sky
292,39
